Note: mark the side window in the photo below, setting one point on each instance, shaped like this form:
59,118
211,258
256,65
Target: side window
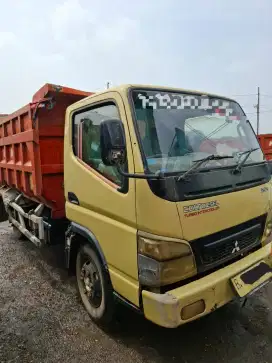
86,139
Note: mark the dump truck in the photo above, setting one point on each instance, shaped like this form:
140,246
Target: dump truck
160,196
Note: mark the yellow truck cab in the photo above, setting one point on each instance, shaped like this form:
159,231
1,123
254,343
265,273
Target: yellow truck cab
168,195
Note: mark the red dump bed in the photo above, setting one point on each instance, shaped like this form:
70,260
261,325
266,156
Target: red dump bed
31,146
265,141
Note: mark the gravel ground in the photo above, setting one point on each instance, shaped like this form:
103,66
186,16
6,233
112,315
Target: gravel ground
42,320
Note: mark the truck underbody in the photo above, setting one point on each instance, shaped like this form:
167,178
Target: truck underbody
30,218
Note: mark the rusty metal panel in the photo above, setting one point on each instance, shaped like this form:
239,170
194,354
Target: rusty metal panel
265,141
31,146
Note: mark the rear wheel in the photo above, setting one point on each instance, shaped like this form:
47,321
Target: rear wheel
94,285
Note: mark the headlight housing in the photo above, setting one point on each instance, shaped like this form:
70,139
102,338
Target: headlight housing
162,261
267,235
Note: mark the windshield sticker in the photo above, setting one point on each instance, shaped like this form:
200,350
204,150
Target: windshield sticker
200,208
186,102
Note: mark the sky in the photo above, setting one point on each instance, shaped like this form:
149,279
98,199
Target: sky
218,46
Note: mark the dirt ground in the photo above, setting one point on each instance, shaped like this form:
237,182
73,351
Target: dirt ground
42,320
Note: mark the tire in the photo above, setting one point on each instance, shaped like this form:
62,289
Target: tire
97,292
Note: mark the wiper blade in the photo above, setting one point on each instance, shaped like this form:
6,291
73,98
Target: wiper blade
199,162
242,162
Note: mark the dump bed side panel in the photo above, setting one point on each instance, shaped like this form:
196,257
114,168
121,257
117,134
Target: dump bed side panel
265,141
31,146
19,152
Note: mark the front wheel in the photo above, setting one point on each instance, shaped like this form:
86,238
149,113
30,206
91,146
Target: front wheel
94,285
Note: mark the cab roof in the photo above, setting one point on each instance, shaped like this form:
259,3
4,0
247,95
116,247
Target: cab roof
124,88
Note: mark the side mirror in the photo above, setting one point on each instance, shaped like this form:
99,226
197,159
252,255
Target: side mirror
113,142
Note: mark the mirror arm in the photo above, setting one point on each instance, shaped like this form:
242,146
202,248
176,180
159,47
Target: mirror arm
139,176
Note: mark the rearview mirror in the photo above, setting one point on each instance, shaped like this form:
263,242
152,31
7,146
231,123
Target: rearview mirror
113,142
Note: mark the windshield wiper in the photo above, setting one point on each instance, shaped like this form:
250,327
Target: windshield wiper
242,162
200,162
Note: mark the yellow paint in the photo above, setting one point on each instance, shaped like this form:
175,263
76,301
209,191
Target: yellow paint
156,215
234,208
114,218
109,214
215,289
124,285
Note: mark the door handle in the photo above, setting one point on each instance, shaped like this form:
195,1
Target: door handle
72,198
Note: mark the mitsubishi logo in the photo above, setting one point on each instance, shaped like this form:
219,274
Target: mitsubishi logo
236,247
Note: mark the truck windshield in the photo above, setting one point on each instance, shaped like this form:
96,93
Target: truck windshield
176,129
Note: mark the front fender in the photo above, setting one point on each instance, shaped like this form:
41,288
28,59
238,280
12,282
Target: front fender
71,243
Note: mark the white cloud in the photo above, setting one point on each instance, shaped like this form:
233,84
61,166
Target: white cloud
112,35
68,19
224,49
81,29
241,66
7,38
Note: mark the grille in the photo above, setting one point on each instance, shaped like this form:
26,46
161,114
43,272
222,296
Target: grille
221,247
231,248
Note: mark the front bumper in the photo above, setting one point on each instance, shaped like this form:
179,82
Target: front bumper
215,289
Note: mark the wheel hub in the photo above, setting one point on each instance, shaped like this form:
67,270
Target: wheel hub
91,283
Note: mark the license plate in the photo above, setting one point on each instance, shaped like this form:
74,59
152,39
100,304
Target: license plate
252,279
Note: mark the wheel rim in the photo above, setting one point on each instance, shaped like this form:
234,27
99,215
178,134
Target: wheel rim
91,282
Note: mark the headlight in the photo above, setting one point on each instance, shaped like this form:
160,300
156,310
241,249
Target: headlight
162,250
267,231
162,261
267,236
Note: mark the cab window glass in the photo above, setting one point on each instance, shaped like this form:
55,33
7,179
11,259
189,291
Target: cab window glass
86,139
